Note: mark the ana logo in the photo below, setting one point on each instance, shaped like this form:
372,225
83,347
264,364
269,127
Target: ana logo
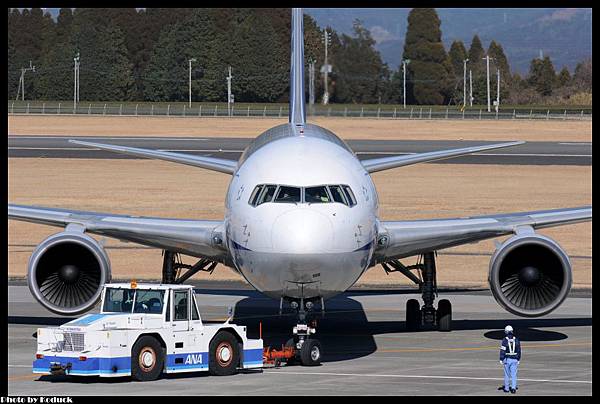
193,359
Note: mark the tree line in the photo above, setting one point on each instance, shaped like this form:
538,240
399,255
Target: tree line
128,54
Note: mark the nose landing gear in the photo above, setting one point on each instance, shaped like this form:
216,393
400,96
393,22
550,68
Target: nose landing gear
427,316
303,347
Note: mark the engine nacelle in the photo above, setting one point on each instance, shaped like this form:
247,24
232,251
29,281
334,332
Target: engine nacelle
67,271
530,275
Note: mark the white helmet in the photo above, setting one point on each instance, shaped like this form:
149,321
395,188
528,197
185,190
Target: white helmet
508,329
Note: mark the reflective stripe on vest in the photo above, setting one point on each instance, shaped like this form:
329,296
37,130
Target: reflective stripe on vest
511,346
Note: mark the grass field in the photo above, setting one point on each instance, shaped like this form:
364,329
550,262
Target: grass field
155,188
346,128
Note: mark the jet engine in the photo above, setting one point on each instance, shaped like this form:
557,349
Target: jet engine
67,271
530,275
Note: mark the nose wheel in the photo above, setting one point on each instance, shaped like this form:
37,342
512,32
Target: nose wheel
303,347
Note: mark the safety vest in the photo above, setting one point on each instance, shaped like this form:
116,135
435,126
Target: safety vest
511,349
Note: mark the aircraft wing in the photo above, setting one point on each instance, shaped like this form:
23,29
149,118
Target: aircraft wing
200,238
413,237
386,163
210,163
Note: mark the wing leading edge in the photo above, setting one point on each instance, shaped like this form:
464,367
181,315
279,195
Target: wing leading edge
209,163
386,163
407,238
200,238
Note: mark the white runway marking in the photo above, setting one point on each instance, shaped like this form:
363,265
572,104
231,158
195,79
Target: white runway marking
426,377
576,143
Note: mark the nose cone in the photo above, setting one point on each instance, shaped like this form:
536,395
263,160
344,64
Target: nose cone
302,231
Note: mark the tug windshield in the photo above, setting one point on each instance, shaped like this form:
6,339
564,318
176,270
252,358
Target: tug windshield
117,300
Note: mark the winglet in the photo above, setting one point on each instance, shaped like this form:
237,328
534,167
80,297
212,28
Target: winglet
297,104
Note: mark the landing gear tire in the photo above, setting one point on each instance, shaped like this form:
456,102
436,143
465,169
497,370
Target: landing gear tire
413,315
147,359
310,353
444,315
291,343
223,354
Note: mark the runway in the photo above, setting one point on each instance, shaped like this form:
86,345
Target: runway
366,349
530,153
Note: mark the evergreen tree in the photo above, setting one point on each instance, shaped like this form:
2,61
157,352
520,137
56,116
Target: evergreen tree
498,61
105,69
429,70
564,77
360,72
457,55
542,75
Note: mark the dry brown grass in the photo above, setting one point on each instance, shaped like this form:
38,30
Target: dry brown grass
145,187
347,128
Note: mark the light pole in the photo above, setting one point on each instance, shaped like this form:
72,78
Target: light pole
326,68
498,91
75,81
404,63
21,87
487,59
190,81
470,87
229,96
465,82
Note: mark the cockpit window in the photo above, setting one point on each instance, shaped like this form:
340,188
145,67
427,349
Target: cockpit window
264,193
255,194
288,195
350,194
316,195
338,194
267,194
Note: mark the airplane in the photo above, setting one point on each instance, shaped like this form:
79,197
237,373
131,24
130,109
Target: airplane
301,225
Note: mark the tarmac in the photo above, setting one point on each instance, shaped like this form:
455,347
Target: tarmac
529,153
367,350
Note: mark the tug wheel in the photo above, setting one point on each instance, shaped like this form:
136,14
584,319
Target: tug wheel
224,355
147,359
291,343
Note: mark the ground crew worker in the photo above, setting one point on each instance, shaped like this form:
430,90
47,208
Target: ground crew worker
510,357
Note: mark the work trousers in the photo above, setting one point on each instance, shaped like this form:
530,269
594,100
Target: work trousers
511,366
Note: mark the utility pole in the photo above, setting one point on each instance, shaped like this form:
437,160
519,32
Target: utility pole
326,68
190,81
470,87
404,63
75,81
229,95
498,92
21,88
487,59
311,82
465,82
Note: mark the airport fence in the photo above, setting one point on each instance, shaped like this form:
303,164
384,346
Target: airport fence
280,111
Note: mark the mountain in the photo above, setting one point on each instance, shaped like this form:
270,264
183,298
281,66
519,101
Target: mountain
563,34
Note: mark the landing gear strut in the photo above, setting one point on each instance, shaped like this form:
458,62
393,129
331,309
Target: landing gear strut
427,316
302,347
172,265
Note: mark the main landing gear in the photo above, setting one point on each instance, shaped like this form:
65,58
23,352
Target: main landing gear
427,316
172,266
302,348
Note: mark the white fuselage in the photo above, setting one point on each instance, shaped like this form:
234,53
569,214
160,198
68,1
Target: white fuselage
302,249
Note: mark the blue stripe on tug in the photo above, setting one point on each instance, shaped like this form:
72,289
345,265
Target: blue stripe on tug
89,319
91,366
253,357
